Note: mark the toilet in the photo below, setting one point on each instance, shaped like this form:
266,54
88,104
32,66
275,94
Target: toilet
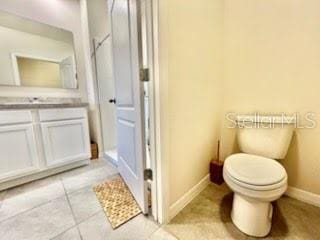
255,176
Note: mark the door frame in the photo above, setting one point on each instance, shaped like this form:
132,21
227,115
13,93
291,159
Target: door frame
159,131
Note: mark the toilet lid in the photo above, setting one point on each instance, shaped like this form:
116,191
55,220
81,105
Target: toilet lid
254,170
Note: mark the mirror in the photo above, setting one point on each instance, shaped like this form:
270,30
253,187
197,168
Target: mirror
34,54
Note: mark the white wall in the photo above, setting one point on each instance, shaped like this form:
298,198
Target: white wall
98,19
99,27
61,14
18,42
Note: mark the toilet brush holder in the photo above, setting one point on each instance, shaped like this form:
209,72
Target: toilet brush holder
216,169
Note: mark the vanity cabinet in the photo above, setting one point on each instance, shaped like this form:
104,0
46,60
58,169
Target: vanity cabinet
65,135
40,142
18,150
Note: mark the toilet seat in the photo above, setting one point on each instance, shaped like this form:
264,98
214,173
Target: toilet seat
253,187
266,193
255,172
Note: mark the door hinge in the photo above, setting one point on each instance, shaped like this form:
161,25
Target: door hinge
148,174
144,74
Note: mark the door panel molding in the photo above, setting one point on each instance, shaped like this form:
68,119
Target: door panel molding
18,162
61,145
127,55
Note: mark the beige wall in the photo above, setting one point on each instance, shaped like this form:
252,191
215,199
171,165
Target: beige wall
190,79
39,73
236,56
272,64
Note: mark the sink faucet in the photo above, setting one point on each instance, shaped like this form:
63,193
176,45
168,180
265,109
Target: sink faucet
34,99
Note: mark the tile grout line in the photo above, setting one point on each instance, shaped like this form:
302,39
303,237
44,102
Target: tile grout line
82,188
91,216
60,179
72,212
162,227
77,224
30,209
83,220
63,232
17,215
152,232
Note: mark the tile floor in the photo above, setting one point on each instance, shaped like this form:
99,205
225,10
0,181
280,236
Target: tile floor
208,217
64,207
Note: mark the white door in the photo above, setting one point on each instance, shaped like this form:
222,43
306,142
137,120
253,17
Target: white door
129,97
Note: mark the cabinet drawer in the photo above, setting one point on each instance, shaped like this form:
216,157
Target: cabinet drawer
62,114
15,117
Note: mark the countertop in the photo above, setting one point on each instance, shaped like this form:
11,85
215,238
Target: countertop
22,105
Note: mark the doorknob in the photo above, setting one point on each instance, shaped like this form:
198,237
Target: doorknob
112,101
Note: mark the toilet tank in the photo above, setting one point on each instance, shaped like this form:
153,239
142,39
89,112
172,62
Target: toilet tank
267,136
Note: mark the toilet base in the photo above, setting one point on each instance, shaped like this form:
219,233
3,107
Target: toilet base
251,216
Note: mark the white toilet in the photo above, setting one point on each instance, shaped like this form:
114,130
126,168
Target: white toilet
254,176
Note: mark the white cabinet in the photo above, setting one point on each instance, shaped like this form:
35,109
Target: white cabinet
65,141
18,151
40,142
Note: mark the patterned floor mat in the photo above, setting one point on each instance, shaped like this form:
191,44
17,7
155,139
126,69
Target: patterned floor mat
117,201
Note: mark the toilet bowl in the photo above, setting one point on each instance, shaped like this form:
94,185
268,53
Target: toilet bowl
254,175
256,182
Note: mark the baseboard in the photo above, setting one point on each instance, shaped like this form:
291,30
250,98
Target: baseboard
113,161
303,196
188,197
45,173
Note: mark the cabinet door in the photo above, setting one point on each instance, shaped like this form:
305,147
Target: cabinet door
65,141
18,153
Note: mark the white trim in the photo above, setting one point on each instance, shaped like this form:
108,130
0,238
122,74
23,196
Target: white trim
304,196
92,99
36,57
189,196
15,68
14,91
31,176
113,161
160,132
151,105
